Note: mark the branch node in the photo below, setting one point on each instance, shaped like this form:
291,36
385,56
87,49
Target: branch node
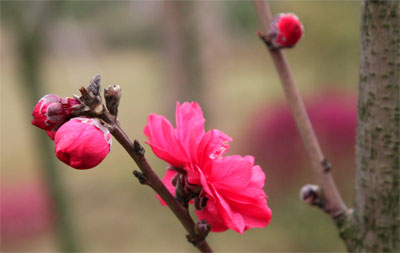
139,175
326,165
183,190
266,40
338,214
201,230
138,148
313,195
110,127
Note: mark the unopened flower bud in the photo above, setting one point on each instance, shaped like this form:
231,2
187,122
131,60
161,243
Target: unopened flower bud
82,143
313,195
70,105
52,111
48,113
285,31
112,96
309,193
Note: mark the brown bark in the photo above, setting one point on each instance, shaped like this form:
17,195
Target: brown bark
374,224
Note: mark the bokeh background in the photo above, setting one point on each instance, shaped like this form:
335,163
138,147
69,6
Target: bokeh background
160,53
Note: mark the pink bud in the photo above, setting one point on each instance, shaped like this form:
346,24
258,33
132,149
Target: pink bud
52,111
69,105
285,30
48,113
82,143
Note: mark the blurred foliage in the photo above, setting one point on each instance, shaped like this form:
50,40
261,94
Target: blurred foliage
123,42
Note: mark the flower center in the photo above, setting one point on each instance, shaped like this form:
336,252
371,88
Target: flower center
185,191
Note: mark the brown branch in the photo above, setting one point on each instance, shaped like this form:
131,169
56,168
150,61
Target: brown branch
147,175
334,203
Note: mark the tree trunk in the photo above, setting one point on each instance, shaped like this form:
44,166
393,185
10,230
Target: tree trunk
374,224
30,21
183,66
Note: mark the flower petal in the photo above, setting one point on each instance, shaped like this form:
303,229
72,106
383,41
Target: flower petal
258,177
231,172
250,201
189,125
210,214
213,145
231,219
235,188
162,140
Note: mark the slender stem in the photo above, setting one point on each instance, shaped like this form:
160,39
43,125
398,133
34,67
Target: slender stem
335,205
149,177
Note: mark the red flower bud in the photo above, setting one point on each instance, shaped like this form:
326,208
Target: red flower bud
52,111
69,105
48,113
285,30
82,143
51,134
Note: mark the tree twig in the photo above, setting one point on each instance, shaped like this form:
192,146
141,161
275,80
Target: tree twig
334,203
147,175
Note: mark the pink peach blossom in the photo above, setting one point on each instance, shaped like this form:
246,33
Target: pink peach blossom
229,190
186,143
82,143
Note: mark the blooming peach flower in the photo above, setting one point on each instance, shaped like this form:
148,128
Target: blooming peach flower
82,143
227,191
188,142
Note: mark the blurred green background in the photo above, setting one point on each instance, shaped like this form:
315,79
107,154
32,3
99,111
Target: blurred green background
161,52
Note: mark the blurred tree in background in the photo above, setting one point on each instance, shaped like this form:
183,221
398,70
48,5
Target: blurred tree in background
29,21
